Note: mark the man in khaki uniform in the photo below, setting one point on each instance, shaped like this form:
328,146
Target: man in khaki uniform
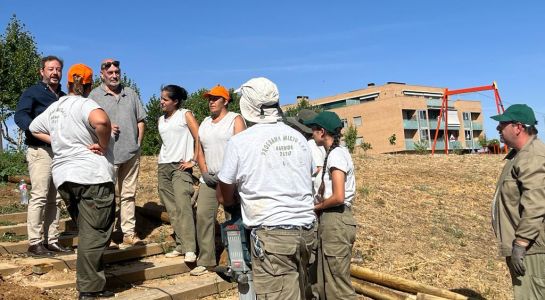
518,209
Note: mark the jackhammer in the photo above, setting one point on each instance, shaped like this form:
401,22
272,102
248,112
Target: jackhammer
236,240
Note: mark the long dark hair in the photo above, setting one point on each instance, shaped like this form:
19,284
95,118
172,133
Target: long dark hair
336,143
176,93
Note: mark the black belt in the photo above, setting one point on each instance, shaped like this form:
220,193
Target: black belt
337,209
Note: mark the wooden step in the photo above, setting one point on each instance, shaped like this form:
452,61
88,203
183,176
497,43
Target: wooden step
195,288
16,218
66,239
121,275
69,261
21,229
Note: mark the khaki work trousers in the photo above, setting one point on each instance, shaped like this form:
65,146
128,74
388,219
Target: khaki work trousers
531,286
207,210
282,273
126,175
336,236
92,207
44,206
175,190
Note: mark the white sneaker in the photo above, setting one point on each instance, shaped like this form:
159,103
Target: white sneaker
190,257
172,254
198,271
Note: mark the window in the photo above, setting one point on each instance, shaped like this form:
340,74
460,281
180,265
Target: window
422,114
467,116
345,123
357,121
424,136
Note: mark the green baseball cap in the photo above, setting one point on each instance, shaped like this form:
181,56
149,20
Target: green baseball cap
328,120
518,113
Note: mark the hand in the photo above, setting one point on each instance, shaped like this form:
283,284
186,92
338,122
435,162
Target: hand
96,149
517,259
115,131
210,179
185,165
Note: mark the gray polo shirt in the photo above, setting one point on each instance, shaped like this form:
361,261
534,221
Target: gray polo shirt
126,112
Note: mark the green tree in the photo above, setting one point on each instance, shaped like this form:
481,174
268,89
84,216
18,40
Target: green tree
151,144
199,105
303,104
350,136
19,66
365,146
125,81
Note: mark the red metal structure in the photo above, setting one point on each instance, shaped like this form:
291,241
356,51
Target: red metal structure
444,108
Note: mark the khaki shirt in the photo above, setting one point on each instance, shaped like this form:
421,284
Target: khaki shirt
518,209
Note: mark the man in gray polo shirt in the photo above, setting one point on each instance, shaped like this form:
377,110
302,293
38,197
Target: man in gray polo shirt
123,106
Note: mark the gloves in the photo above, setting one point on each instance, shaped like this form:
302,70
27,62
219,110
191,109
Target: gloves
210,179
517,259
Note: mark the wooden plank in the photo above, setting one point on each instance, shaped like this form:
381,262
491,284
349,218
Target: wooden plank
138,271
16,218
22,246
6,269
21,229
194,289
69,261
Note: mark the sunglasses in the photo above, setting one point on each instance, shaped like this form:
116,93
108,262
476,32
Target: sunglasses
108,64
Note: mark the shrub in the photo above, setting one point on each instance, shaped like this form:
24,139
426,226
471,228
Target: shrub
12,162
421,147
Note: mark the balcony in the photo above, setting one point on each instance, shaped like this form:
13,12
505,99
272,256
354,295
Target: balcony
436,103
433,125
410,124
473,124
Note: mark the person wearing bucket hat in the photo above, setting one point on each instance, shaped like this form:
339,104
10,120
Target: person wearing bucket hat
336,224
44,205
80,131
214,132
270,165
179,131
518,210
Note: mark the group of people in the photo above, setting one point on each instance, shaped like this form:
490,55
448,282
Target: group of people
84,147
291,177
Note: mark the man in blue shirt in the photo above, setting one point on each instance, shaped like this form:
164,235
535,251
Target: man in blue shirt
44,204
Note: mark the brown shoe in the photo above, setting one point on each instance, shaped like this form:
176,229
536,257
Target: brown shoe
132,240
39,250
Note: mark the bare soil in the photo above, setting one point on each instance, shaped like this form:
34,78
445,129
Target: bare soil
420,217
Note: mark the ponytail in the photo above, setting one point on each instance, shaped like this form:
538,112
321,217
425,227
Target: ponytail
336,143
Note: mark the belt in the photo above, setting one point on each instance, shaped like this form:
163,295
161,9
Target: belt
257,242
337,209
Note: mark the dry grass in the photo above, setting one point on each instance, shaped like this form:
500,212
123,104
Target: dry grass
420,217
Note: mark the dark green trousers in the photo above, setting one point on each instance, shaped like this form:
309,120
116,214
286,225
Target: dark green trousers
92,207
207,209
532,285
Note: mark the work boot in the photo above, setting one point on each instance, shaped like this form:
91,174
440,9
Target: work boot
39,250
131,240
95,295
56,247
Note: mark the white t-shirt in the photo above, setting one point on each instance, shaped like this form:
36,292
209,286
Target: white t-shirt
318,155
271,165
339,158
67,122
214,137
178,143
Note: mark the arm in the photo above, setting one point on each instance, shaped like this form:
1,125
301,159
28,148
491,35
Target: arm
23,111
141,126
201,160
337,197
44,137
99,120
226,192
194,130
239,125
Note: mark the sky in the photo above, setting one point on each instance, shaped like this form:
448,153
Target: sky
312,48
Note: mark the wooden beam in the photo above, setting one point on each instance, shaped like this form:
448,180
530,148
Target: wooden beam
22,246
376,291
16,218
188,290
138,271
21,229
402,284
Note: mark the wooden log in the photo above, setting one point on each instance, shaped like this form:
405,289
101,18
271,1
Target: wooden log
375,291
422,296
21,229
15,218
17,178
41,269
402,284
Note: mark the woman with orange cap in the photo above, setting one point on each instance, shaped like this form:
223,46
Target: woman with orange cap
214,132
79,132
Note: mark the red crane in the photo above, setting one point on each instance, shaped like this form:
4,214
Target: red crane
444,108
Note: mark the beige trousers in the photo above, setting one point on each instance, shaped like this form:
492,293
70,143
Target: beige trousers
44,206
207,209
126,176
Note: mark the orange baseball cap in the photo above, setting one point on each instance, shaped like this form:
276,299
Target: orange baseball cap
218,91
81,70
